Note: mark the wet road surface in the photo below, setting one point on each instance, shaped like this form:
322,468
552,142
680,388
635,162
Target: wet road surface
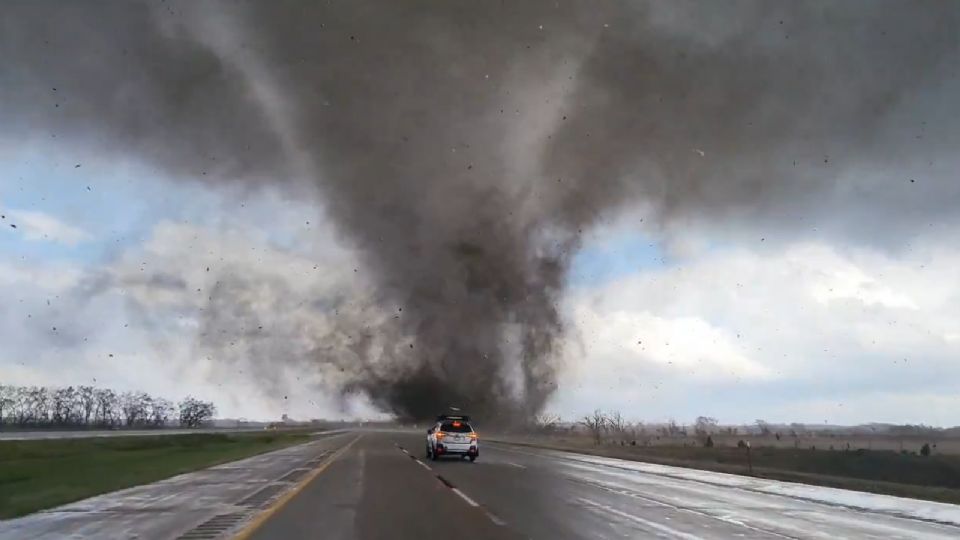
378,485
385,488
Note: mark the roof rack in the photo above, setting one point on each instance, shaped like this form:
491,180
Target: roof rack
460,417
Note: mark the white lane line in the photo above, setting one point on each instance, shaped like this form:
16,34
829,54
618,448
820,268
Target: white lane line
490,515
637,519
463,496
496,520
424,465
517,465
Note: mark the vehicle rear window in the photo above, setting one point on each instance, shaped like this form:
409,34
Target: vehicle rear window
458,427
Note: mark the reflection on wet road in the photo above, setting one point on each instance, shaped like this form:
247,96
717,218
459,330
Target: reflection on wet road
378,484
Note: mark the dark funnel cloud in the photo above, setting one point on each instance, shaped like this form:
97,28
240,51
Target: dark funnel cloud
463,147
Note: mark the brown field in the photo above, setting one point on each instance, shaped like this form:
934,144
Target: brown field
821,442
838,441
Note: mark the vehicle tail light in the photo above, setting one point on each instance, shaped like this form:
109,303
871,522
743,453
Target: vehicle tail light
441,435
473,436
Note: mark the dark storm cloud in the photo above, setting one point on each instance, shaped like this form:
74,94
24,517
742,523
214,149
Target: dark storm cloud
415,120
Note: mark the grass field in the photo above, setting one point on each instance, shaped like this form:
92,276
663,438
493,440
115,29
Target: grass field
935,477
40,474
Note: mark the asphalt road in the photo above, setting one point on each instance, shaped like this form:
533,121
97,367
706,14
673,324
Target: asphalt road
382,487
377,485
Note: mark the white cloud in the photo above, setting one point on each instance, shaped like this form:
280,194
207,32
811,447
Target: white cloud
179,314
915,407
774,331
685,345
807,332
49,277
40,226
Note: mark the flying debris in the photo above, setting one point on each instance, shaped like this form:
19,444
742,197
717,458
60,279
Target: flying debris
455,209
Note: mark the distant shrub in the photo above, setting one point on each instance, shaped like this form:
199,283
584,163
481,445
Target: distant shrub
709,442
925,450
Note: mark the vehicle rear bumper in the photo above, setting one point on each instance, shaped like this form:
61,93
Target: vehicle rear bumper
459,449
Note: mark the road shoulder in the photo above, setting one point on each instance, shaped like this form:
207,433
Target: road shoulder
213,501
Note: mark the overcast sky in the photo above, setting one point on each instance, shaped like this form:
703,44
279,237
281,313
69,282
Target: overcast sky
839,303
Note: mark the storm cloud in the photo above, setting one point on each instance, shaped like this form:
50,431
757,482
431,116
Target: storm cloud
463,148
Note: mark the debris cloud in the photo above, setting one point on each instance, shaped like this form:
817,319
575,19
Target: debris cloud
463,147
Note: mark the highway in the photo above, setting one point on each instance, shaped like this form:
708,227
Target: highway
383,488
376,485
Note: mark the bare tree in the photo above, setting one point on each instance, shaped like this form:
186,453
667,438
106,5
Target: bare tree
672,429
7,394
20,406
194,413
134,407
62,405
637,431
37,406
616,424
86,402
704,427
763,426
38,401
595,423
546,423
160,411
106,412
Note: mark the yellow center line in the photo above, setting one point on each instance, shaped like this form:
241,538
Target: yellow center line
261,518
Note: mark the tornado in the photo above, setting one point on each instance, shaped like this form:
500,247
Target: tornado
464,149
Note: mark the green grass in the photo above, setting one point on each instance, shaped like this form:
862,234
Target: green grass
935,478
41,474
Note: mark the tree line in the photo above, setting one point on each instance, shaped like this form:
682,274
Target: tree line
611,427
92,407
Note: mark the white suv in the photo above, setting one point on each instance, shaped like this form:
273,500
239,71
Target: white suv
452,436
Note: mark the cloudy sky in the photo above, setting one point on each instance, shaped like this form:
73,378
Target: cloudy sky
839,303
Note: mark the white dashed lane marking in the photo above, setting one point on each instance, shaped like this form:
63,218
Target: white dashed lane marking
463,496
466,498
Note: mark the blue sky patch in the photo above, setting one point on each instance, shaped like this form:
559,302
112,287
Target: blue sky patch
620,254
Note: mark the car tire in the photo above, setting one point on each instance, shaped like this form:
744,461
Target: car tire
473,458
428,453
